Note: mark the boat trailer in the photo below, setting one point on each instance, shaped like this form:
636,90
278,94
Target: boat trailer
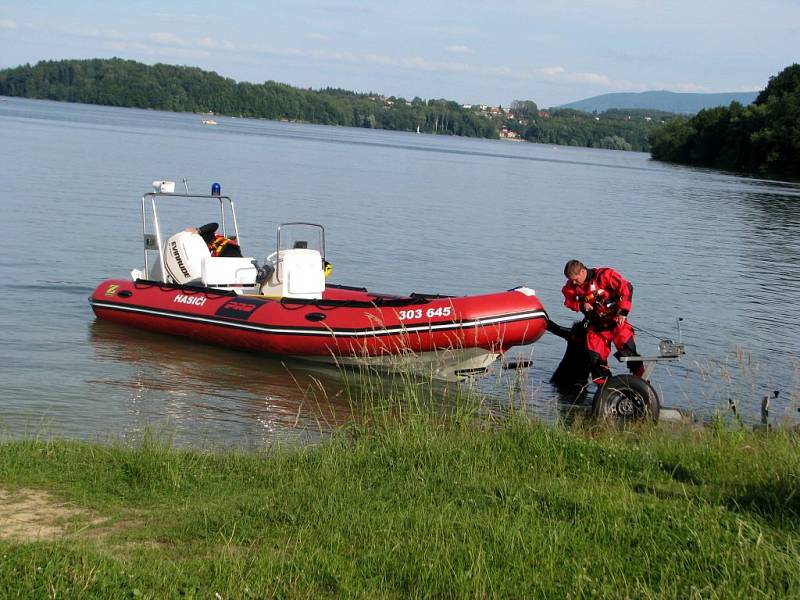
623,397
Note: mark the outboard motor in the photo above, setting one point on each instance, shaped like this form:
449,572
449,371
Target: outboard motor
183,257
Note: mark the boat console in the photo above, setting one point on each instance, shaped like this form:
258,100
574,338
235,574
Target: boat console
295,270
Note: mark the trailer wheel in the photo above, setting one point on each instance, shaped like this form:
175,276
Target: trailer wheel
626,398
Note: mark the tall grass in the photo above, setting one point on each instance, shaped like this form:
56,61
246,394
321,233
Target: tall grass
744,390
416,500
425,492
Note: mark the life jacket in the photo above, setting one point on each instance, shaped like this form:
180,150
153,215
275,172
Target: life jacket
218,245
603,303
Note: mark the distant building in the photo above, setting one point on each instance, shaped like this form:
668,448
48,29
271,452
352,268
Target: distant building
509,134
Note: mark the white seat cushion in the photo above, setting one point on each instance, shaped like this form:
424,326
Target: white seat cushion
225,271
303,272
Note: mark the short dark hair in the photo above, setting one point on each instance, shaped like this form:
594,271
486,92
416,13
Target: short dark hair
573,267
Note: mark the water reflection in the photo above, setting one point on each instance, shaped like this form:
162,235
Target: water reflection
229,397
770,247
211,393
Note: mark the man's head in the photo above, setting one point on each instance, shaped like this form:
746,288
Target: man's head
576,272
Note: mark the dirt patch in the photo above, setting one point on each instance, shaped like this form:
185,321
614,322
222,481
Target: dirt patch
30,515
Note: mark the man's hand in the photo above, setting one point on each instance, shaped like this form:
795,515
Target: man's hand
621,319
587,307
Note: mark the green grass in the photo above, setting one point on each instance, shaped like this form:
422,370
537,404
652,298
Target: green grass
419,506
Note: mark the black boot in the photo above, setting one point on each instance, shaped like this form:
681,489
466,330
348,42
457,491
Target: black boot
629,349
599,368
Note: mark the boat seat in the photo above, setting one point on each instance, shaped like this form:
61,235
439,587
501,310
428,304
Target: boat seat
302,273
298,274
222,271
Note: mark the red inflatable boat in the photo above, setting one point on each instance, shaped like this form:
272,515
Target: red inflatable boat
284,306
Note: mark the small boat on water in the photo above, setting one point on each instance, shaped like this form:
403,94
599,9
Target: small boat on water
284,307
209,122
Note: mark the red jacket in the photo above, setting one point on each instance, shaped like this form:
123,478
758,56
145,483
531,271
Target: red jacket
609,293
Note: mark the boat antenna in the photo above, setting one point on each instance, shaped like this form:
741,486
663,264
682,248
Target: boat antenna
186,185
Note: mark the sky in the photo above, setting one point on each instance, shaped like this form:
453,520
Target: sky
473,52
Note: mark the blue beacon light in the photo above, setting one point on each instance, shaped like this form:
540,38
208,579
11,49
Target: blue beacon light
216,189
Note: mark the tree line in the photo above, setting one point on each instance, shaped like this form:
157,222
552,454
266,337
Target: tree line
763,137
613,129
119,82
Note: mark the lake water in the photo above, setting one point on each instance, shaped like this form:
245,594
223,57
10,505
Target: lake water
403,213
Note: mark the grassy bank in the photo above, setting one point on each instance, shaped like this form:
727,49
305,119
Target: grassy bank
417,507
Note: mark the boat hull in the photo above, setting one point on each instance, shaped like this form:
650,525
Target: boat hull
347,326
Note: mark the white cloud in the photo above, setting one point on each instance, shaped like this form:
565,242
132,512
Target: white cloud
552,71
458,31
317,37
183,17
167,45
593,78
422,64
560,74
214,44
459,50
165,38
417,63
93,32
7,24
160,52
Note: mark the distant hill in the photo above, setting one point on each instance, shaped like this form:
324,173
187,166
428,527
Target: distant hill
674,102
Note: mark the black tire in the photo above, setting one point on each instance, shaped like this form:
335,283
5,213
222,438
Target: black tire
626,398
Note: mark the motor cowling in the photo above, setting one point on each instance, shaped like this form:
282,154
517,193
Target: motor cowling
183,257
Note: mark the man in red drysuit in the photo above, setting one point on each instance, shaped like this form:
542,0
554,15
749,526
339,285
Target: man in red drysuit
604,297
